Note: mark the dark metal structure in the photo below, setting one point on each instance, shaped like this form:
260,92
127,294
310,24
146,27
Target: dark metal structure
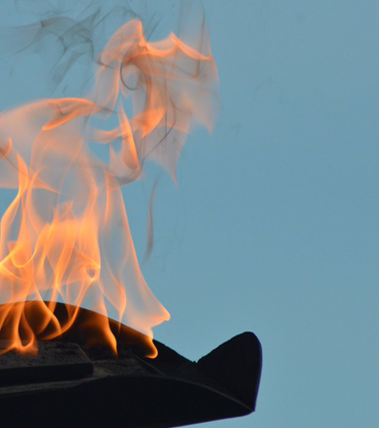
71,384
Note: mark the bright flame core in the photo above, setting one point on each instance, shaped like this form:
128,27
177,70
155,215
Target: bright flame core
65,236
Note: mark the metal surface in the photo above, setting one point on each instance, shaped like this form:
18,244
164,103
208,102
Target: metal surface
128,391
56,361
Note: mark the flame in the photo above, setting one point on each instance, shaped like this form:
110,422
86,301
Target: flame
65,236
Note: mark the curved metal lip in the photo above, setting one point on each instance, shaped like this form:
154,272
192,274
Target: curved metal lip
134,391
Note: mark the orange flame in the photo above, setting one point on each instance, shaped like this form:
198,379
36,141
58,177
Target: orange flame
65,237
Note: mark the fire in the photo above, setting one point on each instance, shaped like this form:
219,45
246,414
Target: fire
65,236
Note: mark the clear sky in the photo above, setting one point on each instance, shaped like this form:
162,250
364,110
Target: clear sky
274,227
280,231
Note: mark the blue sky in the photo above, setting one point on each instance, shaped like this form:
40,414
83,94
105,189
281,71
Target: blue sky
278,231
274,227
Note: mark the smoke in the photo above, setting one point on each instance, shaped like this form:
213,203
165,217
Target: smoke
53,46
